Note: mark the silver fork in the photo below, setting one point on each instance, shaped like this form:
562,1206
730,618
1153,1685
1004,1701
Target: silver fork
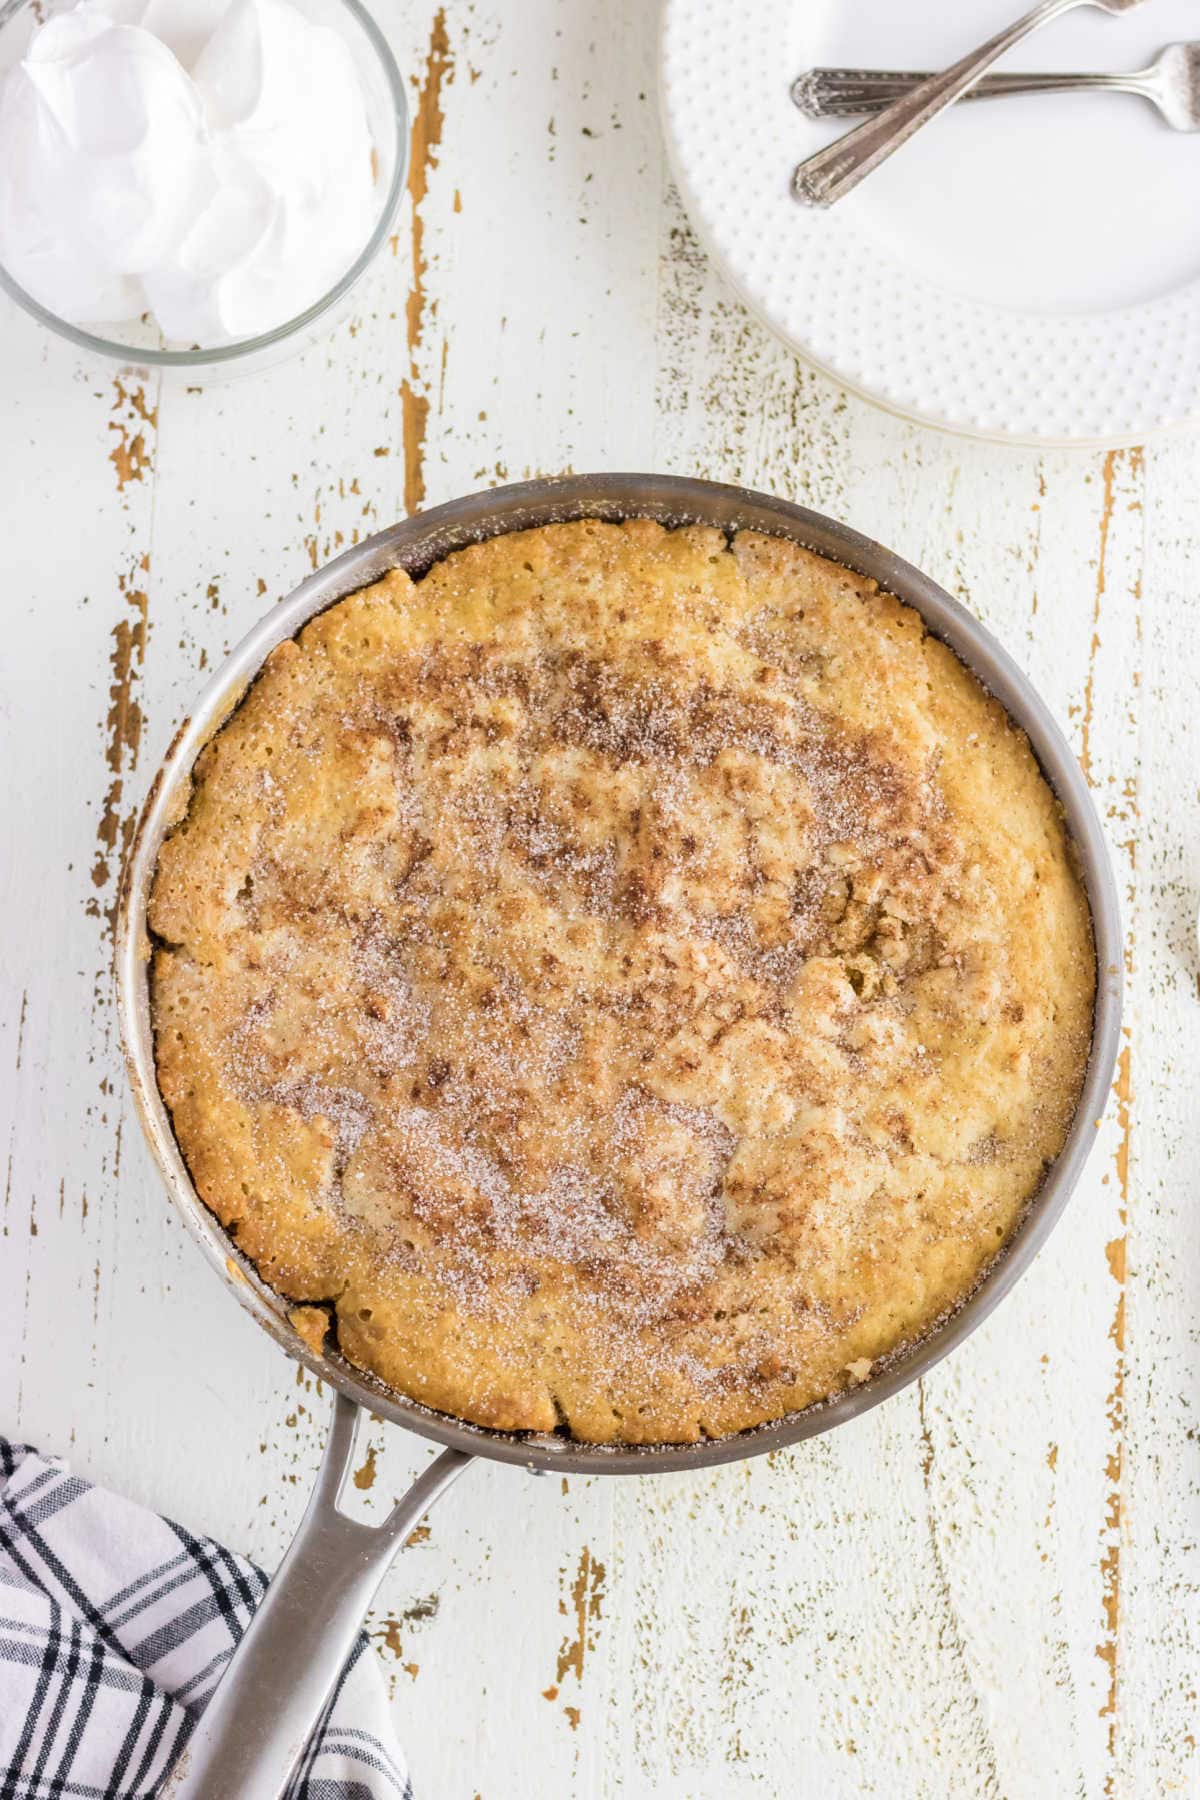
834,171
1171,83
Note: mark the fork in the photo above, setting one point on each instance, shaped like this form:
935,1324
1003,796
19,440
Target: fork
1171,83
837,169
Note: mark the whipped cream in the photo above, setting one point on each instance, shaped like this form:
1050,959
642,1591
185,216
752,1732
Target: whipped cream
224,196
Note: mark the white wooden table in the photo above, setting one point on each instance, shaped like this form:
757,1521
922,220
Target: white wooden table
990,1586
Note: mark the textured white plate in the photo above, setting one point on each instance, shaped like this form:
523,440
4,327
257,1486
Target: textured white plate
1026,268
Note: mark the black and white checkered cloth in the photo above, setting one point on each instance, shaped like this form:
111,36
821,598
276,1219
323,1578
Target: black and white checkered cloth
115,1626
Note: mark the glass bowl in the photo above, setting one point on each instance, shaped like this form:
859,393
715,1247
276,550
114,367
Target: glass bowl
139,341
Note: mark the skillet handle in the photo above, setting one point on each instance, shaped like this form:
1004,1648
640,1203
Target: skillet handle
252,1733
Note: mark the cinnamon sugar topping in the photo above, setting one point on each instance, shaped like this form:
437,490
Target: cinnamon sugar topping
635,982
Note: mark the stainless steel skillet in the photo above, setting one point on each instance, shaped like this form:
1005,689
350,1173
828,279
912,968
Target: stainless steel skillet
284,1670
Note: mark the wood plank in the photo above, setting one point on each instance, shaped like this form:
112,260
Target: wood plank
987,1587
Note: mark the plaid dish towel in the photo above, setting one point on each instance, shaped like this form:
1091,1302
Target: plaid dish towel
115,1626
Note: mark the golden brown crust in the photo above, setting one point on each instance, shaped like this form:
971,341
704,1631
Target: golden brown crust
636,982
310,1323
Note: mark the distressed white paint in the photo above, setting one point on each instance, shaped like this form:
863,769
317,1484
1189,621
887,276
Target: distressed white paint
913,1606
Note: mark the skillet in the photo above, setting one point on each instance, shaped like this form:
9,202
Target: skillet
255,1727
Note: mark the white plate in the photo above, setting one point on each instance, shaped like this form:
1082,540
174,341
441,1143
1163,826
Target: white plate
1025,268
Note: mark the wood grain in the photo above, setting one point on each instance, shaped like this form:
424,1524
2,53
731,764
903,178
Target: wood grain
989,1587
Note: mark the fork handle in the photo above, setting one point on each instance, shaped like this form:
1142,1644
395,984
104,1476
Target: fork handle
834,171
847,93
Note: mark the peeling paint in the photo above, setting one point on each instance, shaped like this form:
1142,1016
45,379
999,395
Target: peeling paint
132,454
123,729
955,1635
1110,1561
879,1611
1134,459
582,1604
426,138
